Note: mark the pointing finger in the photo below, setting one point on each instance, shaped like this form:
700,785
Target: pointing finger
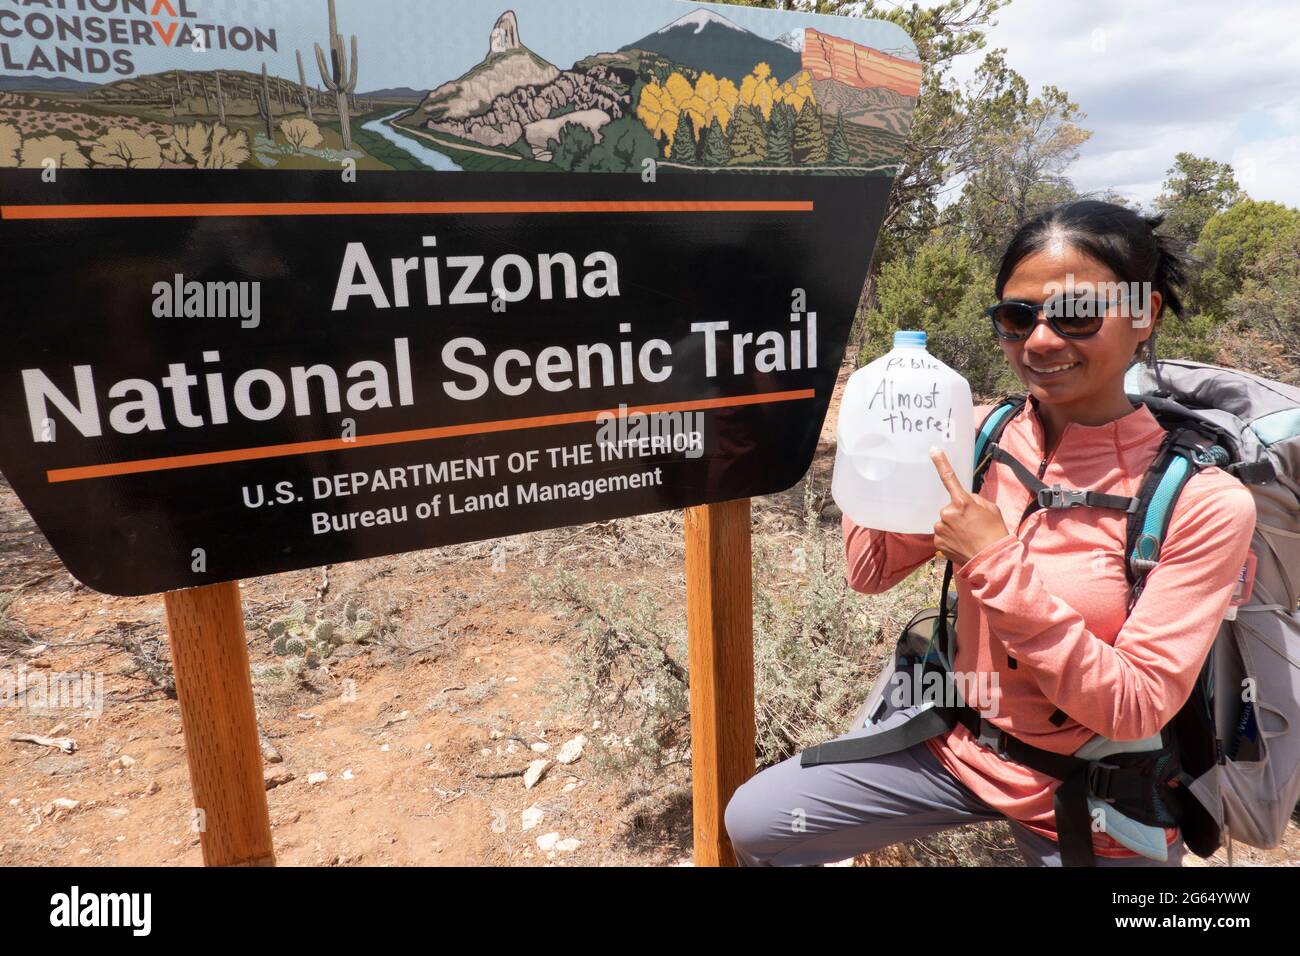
947,475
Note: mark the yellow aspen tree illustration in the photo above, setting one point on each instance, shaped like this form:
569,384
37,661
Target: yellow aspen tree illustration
668,125
657,111
650,107
797,91
760,90
678,88
700,111
711,98
728,95
721,95
706,87
663,107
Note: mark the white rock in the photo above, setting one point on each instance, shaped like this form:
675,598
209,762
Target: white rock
568,845
572,749
320,776
531,817
569,787
347,774
536,770
540,747
498,821
486,752
546,842
15,802
65,803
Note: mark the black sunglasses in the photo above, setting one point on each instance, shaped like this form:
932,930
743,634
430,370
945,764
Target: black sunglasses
1073,318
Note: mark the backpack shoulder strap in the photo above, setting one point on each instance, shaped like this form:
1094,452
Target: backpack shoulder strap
1181,455
991,432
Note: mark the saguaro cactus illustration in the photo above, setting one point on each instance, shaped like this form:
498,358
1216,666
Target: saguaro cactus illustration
265,108
304,92
338,77
221,102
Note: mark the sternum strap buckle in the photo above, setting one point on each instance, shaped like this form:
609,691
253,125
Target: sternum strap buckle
1054,496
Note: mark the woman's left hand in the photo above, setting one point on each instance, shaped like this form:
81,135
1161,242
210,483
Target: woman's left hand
968,523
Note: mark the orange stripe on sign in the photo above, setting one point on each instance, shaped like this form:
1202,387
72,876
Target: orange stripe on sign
241,210
117,469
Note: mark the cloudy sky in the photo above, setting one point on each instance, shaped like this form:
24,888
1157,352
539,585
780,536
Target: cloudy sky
1156,77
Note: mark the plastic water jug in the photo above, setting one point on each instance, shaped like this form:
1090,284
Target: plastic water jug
892,412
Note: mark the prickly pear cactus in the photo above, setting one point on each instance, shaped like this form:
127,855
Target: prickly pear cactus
315,638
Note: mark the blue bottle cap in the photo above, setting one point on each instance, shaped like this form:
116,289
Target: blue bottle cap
909,338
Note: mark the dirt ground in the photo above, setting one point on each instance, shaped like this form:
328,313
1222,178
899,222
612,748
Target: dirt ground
416,733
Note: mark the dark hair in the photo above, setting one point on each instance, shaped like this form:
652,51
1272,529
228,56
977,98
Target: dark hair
1122,240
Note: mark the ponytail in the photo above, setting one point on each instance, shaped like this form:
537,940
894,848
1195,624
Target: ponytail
1170,276
1169,279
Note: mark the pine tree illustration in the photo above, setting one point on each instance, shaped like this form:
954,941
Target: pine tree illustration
748,138
837,150
684,140
780,132
809,137
714,150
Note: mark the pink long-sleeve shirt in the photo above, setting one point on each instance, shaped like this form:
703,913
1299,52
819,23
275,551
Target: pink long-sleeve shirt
1051,596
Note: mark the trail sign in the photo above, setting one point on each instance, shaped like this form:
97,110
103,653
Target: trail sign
257,319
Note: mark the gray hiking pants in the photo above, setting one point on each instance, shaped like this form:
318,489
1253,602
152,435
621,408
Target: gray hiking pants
788,815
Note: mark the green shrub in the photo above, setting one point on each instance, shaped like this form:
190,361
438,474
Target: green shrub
943,289
818,646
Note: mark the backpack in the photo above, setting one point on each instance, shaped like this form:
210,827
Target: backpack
1237,768
1251,682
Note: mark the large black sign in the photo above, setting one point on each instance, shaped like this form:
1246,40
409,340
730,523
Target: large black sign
214,375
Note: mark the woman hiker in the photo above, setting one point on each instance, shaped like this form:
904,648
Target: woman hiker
1041,602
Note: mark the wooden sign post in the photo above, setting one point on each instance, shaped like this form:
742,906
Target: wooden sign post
215,689
720,624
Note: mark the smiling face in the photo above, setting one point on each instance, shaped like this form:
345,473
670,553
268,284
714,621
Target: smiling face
1065,371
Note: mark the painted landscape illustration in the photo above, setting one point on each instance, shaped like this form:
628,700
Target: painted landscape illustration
701,94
